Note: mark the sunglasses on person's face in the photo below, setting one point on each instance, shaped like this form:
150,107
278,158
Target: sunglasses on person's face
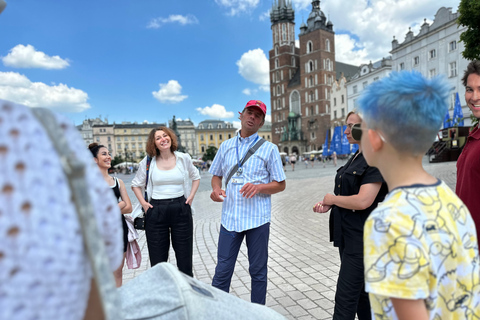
356,131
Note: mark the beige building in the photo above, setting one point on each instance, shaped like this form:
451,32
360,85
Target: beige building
213,133
265,131
131,139
104,134
338,101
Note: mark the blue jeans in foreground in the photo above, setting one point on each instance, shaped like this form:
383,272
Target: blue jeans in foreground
229,243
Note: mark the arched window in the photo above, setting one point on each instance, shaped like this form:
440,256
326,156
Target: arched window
279,104
278,76
293,61
309,46
295,102
310,66
284,32
310,81
278,90
311,110
311,96
210,126
327,45
276,63
276,50
292,48
327,65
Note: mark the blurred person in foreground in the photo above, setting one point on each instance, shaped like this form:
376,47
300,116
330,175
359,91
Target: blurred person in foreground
45,272
468,164
358,190
421,250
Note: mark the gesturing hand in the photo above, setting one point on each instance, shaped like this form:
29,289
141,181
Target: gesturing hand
217,195
249,190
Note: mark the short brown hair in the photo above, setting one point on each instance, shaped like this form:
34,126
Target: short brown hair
152,149
472,68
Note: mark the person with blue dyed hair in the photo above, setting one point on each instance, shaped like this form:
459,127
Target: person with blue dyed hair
420,244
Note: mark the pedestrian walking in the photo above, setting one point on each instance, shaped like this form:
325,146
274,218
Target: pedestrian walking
358,190
293,160
246,211
172,184
103,159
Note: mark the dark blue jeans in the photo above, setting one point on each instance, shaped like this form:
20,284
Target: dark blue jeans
170,217
229,243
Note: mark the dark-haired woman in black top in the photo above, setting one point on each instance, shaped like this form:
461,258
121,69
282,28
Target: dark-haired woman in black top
358,190
103,159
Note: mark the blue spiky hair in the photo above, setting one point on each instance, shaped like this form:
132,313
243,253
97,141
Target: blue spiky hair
407,108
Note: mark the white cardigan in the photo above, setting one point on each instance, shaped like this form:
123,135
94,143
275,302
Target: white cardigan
186,166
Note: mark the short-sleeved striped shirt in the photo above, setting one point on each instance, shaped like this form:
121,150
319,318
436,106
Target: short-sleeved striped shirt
264,166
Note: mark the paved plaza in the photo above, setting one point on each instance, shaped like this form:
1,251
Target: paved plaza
303,265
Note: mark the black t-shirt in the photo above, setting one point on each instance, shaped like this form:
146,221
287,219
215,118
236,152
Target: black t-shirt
347,225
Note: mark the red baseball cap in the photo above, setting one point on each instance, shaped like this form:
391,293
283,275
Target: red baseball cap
258,104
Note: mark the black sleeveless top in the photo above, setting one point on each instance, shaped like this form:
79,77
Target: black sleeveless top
116,191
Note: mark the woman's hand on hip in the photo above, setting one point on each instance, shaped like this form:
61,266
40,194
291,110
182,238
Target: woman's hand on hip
189,200
146,206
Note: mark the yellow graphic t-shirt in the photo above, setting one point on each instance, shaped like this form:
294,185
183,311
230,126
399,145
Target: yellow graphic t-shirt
420,243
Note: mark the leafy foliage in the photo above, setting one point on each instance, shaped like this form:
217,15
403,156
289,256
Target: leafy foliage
210,153
118,159
469,17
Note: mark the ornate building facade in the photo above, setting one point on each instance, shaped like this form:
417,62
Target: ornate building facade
300,78
211,133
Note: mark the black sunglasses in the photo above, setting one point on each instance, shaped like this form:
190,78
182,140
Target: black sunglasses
357,131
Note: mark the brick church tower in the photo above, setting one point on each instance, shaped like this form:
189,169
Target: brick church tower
300,78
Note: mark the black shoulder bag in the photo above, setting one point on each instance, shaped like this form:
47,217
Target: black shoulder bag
139,222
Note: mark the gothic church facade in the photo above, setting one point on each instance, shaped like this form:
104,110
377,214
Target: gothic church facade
300,78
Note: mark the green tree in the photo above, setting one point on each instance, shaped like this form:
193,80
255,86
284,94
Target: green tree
118,159
469,17
209,153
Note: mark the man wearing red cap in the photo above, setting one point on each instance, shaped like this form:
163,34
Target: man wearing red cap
246,209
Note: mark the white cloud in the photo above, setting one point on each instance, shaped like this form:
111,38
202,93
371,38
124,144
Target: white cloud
374,23
254,67
265,16
173,18
18,88
237,124
169,92
238,6
302,4
22,56
247,92
268,117
216,111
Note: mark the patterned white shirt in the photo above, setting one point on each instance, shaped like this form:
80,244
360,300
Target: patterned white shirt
264,166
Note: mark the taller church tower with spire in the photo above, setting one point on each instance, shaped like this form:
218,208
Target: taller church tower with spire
300,78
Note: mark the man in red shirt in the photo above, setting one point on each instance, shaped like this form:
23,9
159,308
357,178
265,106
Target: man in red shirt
468,164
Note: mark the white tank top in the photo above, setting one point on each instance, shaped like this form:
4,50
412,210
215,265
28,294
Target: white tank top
167,184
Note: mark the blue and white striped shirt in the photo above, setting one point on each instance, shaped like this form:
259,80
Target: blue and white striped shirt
264,166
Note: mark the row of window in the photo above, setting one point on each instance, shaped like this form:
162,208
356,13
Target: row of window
310,46
219,126
220,137
335,100
335,113
452,69
128,147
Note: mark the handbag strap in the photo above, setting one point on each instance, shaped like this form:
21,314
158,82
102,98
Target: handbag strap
149,160
250,152
75,172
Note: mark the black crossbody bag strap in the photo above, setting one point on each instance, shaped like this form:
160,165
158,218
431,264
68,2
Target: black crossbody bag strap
250,152
149,159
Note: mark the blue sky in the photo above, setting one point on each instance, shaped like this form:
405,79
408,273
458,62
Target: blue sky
152,59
